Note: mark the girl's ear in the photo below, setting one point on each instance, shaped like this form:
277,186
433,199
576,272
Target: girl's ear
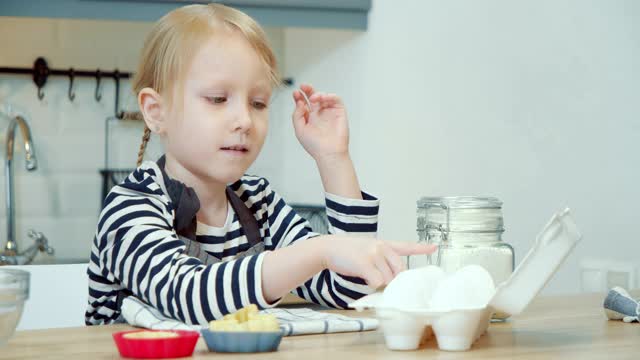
151,106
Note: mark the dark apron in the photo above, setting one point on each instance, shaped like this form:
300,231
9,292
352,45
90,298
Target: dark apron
248,223
186,205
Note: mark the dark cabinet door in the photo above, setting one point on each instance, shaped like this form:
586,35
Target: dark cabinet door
344,14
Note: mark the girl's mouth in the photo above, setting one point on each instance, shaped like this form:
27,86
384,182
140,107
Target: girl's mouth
235,149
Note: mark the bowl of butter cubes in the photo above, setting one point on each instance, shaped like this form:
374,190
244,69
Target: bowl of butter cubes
245,331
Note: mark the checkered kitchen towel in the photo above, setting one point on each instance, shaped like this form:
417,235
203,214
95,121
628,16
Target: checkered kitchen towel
298,321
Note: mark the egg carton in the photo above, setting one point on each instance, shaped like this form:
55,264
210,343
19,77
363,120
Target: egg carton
457,308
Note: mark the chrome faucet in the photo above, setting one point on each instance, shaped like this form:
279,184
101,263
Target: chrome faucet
10,255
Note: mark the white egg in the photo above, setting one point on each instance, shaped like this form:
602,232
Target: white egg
470,287
412,289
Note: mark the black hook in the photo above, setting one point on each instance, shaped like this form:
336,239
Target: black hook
98,95
72,94
40,74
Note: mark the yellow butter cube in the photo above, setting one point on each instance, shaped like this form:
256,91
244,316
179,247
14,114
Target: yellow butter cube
246,319
223,325
263,322
243,314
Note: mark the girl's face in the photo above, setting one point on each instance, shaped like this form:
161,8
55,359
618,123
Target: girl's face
222,123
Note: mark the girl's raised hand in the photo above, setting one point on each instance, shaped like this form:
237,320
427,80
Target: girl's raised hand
323,130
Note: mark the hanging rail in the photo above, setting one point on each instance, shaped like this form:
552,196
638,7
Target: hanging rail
41,72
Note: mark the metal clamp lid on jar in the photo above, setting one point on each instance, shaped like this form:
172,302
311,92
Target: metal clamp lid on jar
471,214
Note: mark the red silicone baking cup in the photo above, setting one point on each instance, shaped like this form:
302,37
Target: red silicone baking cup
160,348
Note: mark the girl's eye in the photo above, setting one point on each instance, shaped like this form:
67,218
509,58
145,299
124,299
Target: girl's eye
259,105
217,99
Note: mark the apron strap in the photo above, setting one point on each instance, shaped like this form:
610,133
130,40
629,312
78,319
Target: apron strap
246,218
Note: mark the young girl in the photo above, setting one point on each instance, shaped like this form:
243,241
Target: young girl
175,235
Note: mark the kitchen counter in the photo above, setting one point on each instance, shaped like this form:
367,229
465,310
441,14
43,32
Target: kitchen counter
568,327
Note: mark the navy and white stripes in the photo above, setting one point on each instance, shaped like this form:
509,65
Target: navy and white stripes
136,249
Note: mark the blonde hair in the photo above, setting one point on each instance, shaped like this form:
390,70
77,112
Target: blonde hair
176,37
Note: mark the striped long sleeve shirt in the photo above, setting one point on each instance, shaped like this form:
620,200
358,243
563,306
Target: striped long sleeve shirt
136,249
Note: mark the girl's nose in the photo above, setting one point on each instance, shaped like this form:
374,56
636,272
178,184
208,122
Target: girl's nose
243,121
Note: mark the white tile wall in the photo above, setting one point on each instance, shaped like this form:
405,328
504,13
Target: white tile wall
62,198
35,194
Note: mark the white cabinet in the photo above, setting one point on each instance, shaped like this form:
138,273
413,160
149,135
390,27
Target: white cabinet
58,296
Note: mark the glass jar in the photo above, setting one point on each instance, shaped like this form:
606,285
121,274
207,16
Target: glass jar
468,230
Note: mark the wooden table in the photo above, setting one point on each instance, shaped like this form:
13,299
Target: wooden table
569,328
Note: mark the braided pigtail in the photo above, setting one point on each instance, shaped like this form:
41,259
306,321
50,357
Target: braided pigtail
145,139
